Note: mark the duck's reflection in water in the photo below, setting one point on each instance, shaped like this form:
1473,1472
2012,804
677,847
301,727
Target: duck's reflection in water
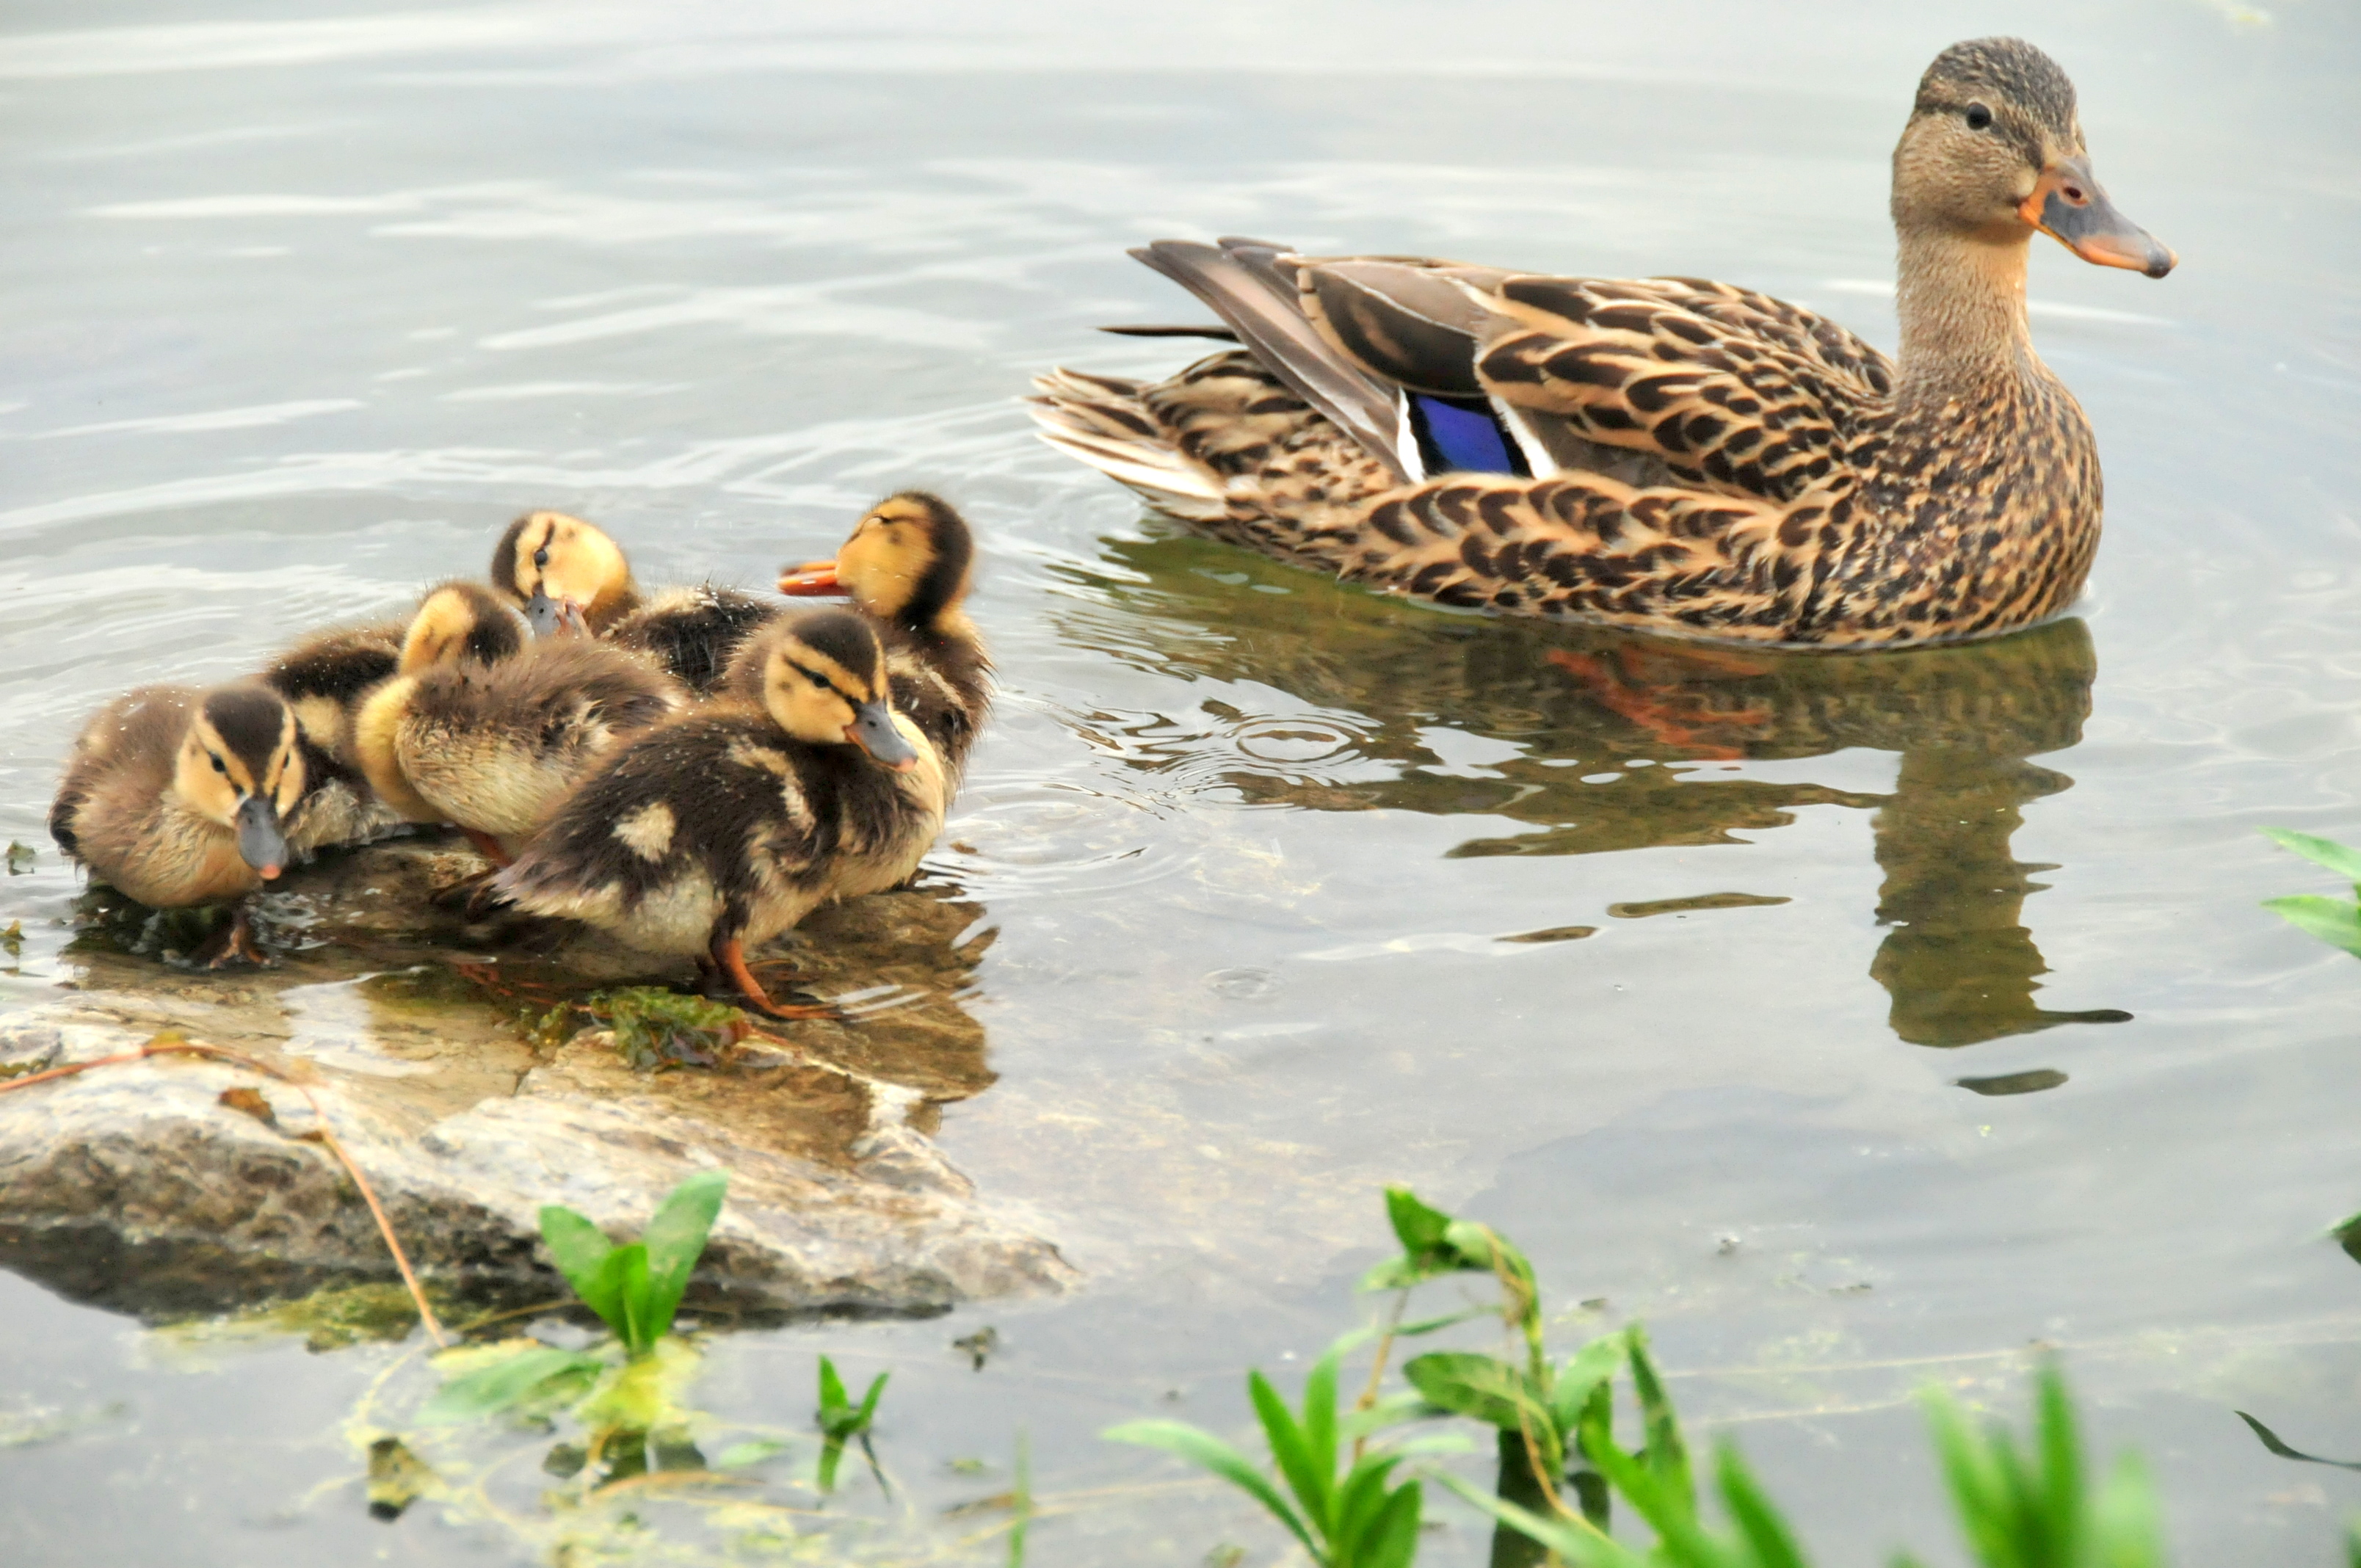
1604,741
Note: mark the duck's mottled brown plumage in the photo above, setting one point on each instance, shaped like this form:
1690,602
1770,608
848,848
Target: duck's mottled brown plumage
1712,462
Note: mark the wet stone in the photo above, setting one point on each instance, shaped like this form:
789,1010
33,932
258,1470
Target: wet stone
156,1187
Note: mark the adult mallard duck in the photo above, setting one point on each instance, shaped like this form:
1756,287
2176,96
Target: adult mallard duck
178,796
479,728
565,573
908,565
1669,453
724,825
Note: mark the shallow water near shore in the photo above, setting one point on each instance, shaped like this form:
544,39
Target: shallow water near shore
1854,1021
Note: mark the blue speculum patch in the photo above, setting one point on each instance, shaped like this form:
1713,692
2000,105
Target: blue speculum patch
1463,436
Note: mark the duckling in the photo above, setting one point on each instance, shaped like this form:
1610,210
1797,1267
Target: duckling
324,678
481,730
724,825
178,796
563,573
908,565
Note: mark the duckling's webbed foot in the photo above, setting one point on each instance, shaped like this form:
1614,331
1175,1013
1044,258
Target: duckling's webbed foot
234,943
730,959
492,849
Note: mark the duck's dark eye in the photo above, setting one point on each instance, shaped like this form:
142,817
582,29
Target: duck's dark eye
1979,117
819,681
219,766
541,556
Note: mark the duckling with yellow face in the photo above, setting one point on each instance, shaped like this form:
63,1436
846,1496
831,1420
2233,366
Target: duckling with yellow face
178,796
324,678
908,565
566,575
725,825
481,728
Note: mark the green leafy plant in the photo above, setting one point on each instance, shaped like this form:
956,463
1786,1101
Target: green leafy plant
839,1419
2335,921
2018,1505
1658,1483
1360,1520
2036,1511
635,1290
1537,1406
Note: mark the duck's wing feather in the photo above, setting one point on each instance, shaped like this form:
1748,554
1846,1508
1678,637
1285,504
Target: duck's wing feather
1246,285
1733,390
1736,391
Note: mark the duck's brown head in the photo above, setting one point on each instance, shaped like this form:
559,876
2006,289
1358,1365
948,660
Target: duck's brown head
822,677
909,561
239,765
1993,152
563,573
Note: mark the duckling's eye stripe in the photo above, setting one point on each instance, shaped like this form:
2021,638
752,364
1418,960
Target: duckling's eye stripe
815,677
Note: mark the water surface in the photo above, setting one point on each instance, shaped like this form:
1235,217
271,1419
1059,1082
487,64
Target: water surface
1854,1020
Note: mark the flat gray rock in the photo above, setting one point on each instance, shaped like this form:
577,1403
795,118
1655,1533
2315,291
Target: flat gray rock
136,1186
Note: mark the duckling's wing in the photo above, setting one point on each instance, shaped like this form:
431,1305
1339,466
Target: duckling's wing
1735,391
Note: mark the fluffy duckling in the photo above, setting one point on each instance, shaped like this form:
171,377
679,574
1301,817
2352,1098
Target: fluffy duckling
178,797
563,573
324,678
479,728
725,825
908,564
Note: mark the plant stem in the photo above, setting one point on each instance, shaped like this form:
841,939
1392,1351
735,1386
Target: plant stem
1377,1365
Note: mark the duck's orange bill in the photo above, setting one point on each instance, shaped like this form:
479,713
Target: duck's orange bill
811,577
2067,205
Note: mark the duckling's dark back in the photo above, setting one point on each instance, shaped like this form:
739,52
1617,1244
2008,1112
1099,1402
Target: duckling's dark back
722,792
695,633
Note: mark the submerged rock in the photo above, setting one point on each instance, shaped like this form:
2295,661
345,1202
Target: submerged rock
150,1187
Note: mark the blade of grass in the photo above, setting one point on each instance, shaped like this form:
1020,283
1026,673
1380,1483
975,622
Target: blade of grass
1207,1451
1292,1452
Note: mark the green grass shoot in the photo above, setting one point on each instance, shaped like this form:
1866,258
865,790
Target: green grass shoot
1356,1519
840,1419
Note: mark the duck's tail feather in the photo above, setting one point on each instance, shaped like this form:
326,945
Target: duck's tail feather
1245,284
1104,421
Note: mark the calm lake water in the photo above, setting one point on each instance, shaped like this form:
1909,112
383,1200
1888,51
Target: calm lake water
1855,1021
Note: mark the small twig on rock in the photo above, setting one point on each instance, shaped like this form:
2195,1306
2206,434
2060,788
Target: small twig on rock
171,1042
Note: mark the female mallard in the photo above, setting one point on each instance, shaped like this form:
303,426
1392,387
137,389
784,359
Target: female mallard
177,796
565,573
906,565
725,825
1668,453
480,730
